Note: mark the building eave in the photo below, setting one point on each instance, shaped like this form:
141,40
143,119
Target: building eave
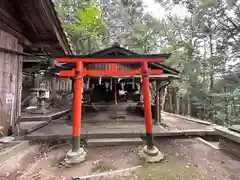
50,10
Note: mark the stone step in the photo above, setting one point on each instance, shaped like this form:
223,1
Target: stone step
113,142
30,126
116,133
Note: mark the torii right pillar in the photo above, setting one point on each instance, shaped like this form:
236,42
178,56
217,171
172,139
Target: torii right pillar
149,152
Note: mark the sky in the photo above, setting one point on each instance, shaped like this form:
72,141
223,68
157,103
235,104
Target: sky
158,12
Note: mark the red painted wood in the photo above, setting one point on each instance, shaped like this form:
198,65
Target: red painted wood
77,104
146,99
65,73
79,72
115,90
100,73
111,73
112,67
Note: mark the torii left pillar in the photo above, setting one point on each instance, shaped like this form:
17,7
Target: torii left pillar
77,154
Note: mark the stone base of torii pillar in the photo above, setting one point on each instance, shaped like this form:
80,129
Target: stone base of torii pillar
75,157
152,155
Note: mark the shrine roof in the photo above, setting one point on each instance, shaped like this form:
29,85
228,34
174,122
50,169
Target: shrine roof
116,51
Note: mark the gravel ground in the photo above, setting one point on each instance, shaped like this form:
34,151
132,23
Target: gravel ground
186,159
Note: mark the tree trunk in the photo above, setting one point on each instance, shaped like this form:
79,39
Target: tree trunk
164,98
189,105
211,74
226,118
177,104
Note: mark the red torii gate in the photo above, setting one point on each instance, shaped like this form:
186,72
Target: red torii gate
79,72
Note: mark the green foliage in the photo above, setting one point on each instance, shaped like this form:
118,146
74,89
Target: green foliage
84,23
206,3
202,44
88,29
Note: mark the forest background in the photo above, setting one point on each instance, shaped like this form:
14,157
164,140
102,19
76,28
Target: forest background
204,43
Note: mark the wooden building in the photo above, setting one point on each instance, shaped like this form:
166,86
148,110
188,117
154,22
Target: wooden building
94,90
27,29
116,50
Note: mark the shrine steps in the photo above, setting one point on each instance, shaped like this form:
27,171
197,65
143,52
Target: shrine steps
85,136
53,114
62,130
103,142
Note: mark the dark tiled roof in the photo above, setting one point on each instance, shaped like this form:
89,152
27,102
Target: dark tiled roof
116,50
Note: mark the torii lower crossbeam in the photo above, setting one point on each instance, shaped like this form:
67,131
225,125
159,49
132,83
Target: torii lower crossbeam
149,150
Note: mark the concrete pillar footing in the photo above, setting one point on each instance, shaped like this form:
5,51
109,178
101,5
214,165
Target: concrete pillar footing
152,155
75,157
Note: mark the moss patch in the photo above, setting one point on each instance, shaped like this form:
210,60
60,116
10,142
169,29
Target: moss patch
165,172
170,172
99,166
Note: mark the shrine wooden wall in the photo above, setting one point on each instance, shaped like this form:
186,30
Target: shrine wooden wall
104,66
10,79
64,85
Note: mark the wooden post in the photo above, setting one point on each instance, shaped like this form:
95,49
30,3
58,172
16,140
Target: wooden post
77,107
88,83
177,104
158,112
73,84
170,100
133,84
189,104
147,105
111,84
36,80
53,85
115,90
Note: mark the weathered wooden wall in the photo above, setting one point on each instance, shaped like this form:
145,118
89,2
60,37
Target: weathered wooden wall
64,85
104,66
10,79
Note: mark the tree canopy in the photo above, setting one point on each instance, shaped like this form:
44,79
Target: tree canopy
204,44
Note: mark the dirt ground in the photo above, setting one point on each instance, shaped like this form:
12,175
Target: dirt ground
186,159
180,124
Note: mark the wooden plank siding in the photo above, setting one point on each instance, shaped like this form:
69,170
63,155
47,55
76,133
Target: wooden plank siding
10,78
64,85
99,66
104,66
